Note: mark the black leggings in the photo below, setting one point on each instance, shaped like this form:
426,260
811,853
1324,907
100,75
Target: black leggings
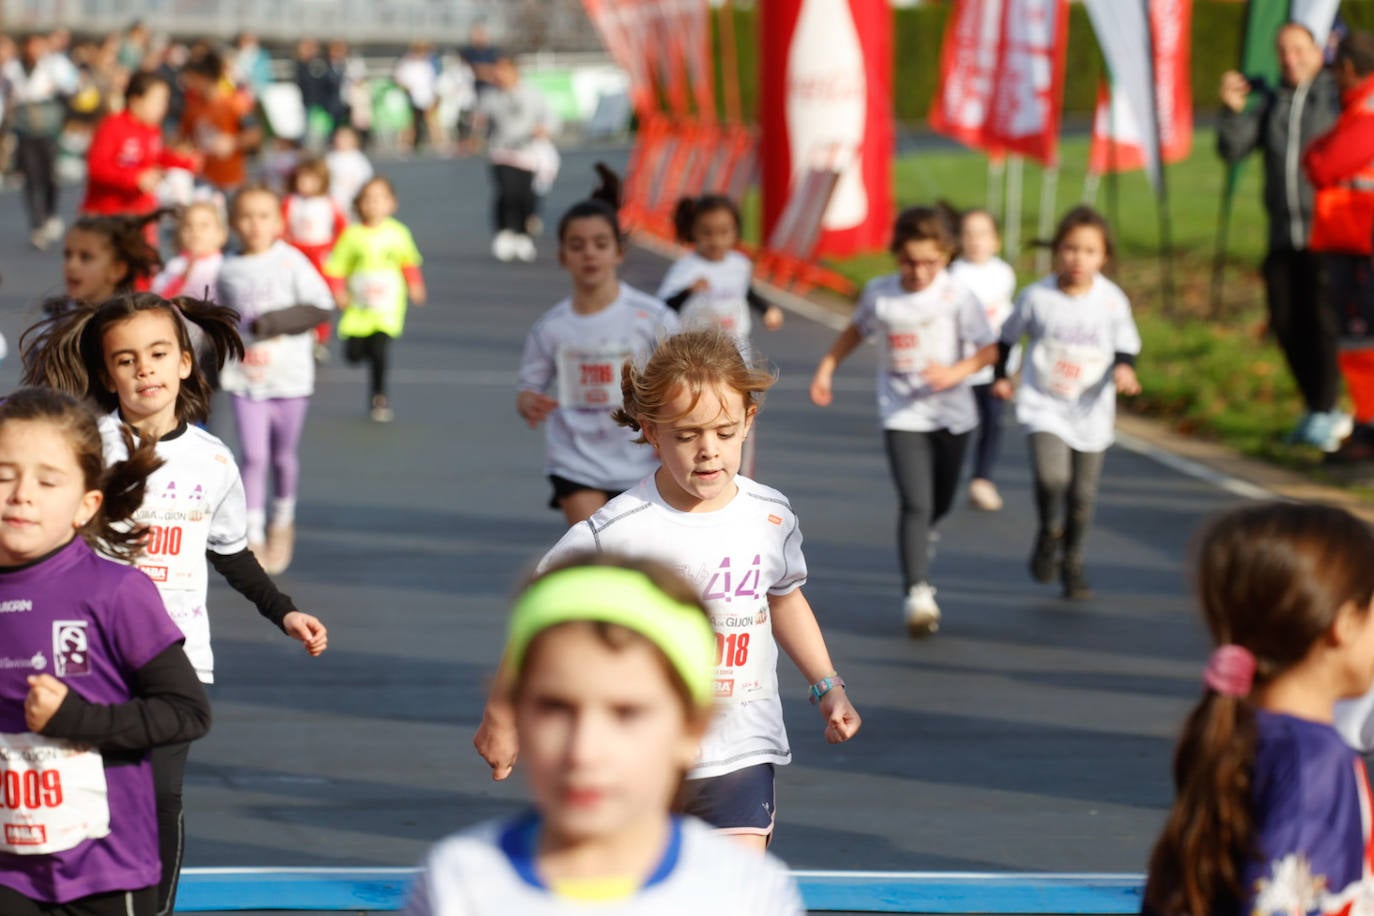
374,351
169,772
36,157
1066,483
925,467
989,431
115,903
514,198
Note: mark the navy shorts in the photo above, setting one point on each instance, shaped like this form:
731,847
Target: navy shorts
741,802
562,487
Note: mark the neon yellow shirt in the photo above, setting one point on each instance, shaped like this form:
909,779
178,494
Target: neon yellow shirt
371,260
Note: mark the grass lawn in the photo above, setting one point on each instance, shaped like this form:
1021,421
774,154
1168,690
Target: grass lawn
1209,370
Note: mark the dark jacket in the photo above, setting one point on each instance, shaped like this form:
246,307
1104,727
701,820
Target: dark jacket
1312,109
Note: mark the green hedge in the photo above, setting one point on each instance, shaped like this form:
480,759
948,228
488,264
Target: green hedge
919,31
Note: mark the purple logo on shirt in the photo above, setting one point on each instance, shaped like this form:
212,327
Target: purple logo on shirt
71,655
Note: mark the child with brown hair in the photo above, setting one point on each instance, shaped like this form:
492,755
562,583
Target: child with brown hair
926,323
1271,808
104,255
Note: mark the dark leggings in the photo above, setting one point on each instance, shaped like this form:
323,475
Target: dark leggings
989,442
169,771
36,157
1065,489
374,351
514,202
925,467
1304,321
115,903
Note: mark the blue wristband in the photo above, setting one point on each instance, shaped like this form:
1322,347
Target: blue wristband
824,686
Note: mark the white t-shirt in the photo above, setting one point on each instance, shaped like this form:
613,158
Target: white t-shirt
349,170
418,77
933,325
725,305
577,359
194,503
1067,384
255,284
738,556
993,282
311,220
489,870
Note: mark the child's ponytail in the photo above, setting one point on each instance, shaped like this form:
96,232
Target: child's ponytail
602,203
53,351
1272,579
684,219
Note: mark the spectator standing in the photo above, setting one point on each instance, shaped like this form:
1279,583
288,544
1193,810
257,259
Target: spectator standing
36,87
219,121
417,75
1281,121
252,67
481,55
513,116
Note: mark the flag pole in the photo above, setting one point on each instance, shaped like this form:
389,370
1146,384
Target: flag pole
997,170
1012,230
1049,187
1166,233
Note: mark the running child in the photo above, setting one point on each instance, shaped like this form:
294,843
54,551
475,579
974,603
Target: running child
104,255
105,679
1081,353
933,336
711,286
281,298
739,544
349,167
610,668
313,223
201,237
1271,808
993,282
373,272
131,356
570,371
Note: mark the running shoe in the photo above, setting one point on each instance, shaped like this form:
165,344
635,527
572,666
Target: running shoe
1076,586
524,249
53,228
1327,430
281,545
983,495
503,246
381,410
920,610
1044,561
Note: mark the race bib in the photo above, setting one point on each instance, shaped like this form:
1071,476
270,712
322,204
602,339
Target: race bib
52,795
1066,370
173,546
727,313
910,351
260,358
374,290
589,377
743,669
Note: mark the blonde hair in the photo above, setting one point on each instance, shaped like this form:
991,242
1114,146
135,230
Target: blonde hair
212,207
692,360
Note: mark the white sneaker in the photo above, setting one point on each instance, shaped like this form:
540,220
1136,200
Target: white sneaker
524,249
54,228
920,610
39,239
503,246
983,495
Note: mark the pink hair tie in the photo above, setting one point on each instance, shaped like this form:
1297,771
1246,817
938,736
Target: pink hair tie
1230,671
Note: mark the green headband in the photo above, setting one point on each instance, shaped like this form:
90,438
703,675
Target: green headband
624,597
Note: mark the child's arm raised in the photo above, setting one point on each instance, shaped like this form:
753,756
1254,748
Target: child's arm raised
799,634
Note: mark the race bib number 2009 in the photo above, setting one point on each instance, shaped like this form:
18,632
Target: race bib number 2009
52,795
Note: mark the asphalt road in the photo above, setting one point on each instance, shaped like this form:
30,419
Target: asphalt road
1030,734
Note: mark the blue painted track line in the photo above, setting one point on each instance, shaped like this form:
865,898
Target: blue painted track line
383,890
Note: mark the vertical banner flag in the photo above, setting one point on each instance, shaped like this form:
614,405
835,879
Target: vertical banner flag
1148,113
611,19
1318,16
1002,76
825,102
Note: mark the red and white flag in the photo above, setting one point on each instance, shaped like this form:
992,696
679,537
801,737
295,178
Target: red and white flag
1002,76
1147,115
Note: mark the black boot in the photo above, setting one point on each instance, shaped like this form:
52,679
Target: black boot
1044,561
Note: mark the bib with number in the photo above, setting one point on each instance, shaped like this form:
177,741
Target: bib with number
53,795
589,377
728,313
908,353
259,357
173,550
1066,370
744,670
374,290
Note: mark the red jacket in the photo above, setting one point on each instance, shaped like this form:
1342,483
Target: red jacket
1340,164
122,149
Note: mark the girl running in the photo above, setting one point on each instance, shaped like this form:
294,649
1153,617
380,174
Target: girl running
1081,354
132,357
928,325
611,673
104,255
993,282
711,285
201,236
103,679
570,372
374,270
1271,808
281,299
739,544
313,223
